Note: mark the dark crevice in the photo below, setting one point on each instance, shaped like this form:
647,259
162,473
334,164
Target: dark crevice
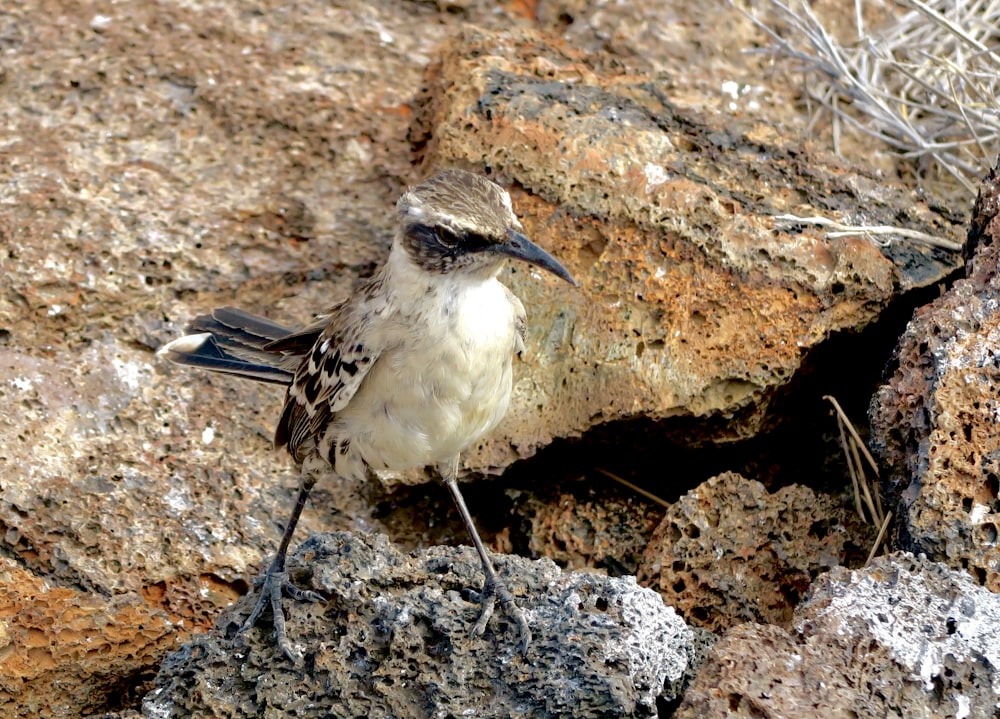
799,444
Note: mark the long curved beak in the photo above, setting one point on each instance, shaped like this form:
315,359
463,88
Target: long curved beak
521,248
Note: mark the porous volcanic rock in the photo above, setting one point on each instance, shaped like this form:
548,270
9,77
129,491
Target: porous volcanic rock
903,637
63,652
161,158
934,423
603,531
393,640
729,552
695,301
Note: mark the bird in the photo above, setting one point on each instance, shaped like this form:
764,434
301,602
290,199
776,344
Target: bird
408,372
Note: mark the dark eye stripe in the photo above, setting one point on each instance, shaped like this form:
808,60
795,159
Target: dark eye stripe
448,240
465,241
440,249
473,242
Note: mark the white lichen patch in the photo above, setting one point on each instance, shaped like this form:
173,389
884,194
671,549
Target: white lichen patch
655,175
653,633
131,374
921,616
178,498
975,341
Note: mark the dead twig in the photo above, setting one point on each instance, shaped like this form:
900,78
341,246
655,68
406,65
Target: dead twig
844,230
927,83
634,487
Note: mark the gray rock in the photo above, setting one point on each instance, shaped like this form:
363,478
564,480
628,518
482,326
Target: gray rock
931,634
904,637
393,640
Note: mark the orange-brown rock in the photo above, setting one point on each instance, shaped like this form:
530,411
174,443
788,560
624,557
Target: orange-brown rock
729,552
695,301
158,159
601,532
935,422
64,652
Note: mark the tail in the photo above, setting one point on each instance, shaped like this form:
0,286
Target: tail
236,342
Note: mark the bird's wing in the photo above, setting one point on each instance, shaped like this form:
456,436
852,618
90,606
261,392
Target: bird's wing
329,374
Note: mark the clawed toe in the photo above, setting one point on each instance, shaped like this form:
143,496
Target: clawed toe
274,584
496,591
298,593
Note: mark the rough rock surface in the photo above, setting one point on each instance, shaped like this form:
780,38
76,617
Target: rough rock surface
695,301
904,637
158,160
393,640
935,421
161,158
603,531
87,646
729,552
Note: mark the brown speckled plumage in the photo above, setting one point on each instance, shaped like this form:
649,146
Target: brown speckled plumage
407,372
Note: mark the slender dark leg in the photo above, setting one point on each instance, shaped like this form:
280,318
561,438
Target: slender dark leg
493,589
275,580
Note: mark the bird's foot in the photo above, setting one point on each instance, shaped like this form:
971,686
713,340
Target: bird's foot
274,583
494,590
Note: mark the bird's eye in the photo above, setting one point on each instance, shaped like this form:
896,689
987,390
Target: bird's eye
448,238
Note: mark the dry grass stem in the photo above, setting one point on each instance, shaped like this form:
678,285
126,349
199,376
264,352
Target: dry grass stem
873,511
867,501
634,487
873,231
851,468
926,83
879,539
866,495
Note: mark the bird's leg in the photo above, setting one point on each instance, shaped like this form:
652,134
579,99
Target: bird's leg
494,588
275,579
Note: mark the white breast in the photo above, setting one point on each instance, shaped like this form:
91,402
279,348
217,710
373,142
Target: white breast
443,384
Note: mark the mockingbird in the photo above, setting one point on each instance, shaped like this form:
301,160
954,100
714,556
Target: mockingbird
408,372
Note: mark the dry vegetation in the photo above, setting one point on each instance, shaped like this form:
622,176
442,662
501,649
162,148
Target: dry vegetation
924,80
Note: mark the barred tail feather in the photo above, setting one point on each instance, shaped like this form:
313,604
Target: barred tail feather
203,351
238,326
234,342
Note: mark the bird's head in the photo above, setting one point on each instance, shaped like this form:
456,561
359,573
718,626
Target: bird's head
458,221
